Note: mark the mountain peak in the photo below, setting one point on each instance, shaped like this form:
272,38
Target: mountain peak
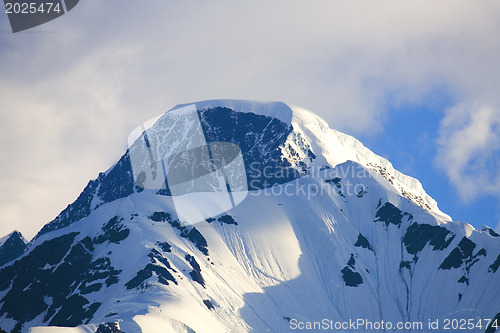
12,246
337,147
285,141
299,223
331,147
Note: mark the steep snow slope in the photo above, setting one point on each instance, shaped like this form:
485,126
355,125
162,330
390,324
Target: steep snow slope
337,147
340,235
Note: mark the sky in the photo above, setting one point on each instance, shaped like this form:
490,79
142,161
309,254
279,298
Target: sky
416,81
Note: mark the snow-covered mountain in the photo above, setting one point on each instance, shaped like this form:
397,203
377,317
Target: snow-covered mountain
330,237
11,246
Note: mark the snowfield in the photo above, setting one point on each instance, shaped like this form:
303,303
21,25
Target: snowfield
343,237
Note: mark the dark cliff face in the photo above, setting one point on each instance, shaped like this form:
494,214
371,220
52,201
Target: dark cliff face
58,279
12,248
78,275
67,277
56,276
260,138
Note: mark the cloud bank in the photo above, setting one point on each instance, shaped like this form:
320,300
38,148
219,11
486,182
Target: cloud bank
469,150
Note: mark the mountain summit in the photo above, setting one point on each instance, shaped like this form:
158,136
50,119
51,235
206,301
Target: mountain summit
11,246
239,216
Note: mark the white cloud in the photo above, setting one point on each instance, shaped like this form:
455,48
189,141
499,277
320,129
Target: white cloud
72,89
469,149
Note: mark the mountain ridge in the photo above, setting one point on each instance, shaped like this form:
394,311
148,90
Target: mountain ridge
85,204
334,238
12,246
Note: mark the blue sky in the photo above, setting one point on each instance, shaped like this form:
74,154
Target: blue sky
410,141
416,82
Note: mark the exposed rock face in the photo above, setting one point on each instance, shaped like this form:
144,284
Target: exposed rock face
328,230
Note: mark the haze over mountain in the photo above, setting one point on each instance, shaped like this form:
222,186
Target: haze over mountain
308,225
